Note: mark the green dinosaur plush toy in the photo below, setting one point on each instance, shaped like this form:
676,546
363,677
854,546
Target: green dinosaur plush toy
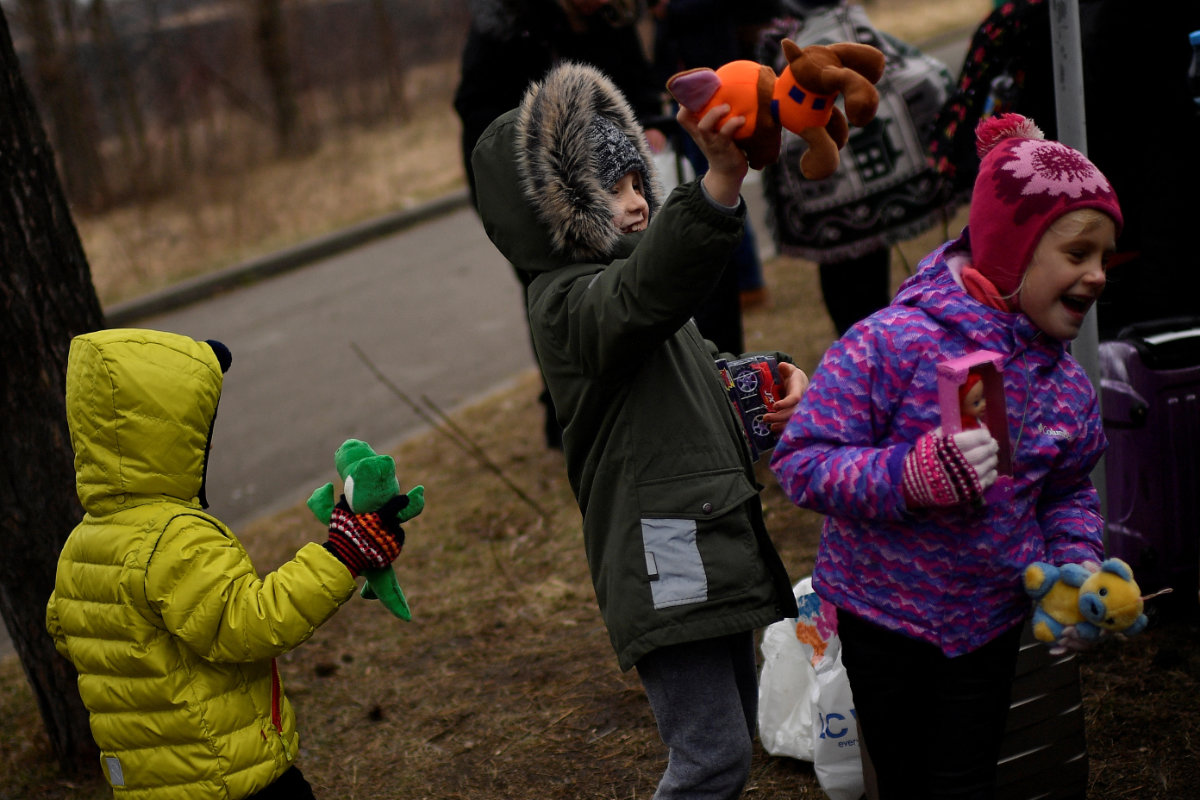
368,483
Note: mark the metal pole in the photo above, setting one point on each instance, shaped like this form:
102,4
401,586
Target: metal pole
1071,118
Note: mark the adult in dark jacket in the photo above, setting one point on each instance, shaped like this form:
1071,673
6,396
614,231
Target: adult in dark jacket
709,33
513,42
1129,50
681,562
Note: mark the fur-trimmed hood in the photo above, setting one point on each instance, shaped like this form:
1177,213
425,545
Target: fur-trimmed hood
538,158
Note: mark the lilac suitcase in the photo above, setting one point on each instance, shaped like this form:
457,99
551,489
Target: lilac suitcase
1150,398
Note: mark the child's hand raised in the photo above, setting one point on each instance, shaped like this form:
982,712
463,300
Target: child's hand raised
726,162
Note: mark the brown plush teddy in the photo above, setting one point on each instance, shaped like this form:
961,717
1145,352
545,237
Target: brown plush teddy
800,99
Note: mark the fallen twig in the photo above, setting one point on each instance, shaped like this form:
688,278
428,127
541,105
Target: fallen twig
450,431
529,734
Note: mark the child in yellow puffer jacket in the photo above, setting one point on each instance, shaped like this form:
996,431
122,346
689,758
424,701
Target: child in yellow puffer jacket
156,602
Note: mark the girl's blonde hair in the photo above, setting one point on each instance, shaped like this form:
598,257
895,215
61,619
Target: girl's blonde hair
1073,223
1081,220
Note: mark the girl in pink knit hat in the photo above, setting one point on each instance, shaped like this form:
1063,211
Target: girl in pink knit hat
926,573
1030,197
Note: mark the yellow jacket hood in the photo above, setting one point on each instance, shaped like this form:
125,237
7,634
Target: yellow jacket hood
140,408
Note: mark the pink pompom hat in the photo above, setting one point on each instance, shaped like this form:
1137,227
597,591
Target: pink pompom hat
1025,183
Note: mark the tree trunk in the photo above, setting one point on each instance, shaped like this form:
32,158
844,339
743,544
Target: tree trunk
46,297
270,33
68,104
119,94
393,63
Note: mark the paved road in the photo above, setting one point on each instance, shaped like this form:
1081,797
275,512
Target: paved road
435,308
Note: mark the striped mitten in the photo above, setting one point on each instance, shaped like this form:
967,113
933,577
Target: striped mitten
950,470
365,541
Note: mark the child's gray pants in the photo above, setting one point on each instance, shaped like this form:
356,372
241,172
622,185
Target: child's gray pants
705,698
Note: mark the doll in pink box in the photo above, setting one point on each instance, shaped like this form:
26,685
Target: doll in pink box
971,402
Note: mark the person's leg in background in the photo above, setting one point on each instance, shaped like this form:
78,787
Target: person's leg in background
291,785
856,288
719,317
704,696
752,286
550,427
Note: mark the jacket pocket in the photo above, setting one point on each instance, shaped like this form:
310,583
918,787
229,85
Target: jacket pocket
700,495
673,562
675,514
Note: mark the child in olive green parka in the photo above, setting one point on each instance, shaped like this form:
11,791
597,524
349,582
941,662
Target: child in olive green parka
681,562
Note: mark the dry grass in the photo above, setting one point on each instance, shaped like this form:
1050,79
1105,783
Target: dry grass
918,20
224,218
504,685
215,220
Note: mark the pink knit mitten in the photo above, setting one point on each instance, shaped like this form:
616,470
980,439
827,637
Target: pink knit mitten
950,470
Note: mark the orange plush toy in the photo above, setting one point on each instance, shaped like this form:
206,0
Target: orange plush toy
801,100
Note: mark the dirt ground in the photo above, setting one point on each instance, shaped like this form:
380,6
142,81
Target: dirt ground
504,684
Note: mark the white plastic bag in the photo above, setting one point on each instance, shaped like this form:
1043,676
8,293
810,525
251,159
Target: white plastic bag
805,708
837,759
785,724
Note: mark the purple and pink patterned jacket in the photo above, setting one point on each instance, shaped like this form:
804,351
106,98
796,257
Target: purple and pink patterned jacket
950,577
